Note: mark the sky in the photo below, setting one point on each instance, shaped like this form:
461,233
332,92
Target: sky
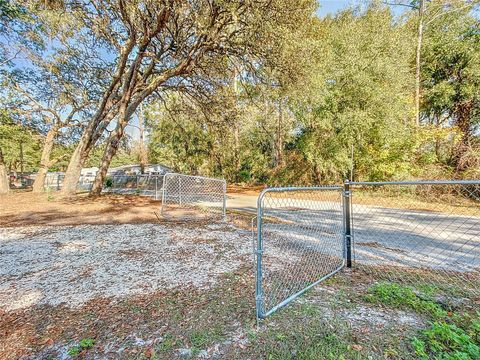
330,7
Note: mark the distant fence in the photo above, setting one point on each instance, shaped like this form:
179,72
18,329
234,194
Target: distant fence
145,185
54,181
193,196
424,234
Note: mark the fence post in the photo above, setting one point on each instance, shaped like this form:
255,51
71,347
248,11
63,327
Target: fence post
180,189
348,222
224,199
259,253
156,187
165,178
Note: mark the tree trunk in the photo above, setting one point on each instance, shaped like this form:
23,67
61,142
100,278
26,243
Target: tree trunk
463,114
236,123
89,137
279,137
74,169
4,181
39,183
108,154
110,150
421,11
143,150
318,174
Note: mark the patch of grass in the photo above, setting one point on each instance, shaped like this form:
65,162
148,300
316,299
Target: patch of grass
303,331
403,297
310,309
447,341
168,343
313,343
84,344
202,338
448,337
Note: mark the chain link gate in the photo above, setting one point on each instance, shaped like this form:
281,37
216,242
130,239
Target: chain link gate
193,197
425,234
300,242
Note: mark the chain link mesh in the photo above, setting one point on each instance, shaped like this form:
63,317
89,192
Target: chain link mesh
424,234
145,185
193,197
300,242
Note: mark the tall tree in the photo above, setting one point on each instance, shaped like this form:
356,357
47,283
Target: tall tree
154,46
451,79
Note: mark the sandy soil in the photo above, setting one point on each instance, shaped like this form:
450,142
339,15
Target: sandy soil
74,264
23,209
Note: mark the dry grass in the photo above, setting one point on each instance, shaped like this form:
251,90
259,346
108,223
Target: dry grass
26,208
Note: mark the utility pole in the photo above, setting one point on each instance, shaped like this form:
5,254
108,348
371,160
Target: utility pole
421,12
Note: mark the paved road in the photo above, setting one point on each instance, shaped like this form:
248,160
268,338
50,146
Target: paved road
383,236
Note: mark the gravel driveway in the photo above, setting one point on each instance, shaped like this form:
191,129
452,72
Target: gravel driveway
74,264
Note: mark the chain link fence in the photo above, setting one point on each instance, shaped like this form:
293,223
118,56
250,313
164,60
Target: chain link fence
54,181
145,185
193,197
299,243
424,234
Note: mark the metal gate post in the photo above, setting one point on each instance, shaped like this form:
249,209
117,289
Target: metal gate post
348,222
164,185
224,200
259,253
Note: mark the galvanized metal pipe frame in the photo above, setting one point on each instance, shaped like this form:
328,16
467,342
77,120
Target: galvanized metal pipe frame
348,230
260,313
224,192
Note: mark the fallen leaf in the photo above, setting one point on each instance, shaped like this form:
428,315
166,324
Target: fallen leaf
357,347
148,353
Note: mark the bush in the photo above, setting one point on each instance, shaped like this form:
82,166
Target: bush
108,182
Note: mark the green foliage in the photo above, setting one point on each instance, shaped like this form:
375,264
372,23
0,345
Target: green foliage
84,344
202,338
74,351
311,100
403,296
169,342
451,82
9,11
108,182
355,92
452,338
447,341
87,343
15,140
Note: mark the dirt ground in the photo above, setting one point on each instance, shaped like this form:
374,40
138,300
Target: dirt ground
111,274
26,208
